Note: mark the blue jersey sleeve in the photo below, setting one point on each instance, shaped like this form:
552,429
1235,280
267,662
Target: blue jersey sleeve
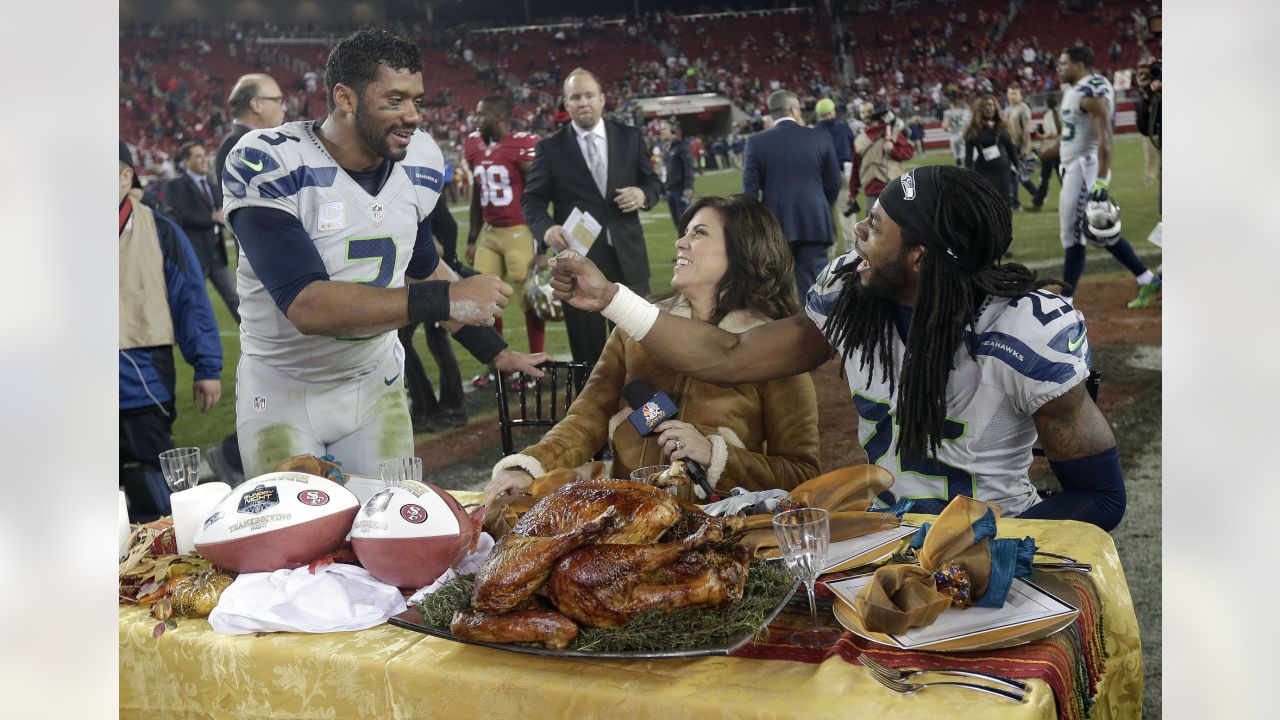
280,252
425,258
195,328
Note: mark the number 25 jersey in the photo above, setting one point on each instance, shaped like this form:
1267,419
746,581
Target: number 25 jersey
496,167
1028,351
360,238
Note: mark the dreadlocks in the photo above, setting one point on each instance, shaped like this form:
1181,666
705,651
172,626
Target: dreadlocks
972,220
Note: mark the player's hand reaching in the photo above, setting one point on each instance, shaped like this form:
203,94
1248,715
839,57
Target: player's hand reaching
577,281
1099,191
206,394
556,238
509,361
478,300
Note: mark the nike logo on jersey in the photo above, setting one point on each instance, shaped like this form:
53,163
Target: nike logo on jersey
388,381
1073,345
257,167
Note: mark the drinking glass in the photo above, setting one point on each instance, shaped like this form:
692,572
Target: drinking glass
181,467
803,536
398,470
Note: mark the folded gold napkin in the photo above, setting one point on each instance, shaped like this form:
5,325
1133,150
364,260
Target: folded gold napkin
960,564
845,493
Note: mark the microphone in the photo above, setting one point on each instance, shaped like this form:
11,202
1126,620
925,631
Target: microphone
648,410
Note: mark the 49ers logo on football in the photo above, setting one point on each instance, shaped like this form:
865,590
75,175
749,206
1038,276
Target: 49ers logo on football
314,498
259,499
415,514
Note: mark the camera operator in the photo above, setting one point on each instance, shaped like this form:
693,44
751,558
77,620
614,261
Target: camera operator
878,153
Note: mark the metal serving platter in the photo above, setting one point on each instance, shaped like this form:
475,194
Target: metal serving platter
411,619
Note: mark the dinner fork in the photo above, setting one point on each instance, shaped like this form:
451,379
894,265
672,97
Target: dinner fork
900,687
903,675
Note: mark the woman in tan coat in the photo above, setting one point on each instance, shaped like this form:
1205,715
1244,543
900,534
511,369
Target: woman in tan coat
733,268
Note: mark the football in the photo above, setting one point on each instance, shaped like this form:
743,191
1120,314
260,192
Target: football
408,534
281,520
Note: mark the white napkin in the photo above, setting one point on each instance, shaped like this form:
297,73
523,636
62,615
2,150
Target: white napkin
337,597
469,564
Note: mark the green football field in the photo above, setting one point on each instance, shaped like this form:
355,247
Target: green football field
1035,239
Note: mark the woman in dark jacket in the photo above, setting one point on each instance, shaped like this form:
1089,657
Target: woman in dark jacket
988,147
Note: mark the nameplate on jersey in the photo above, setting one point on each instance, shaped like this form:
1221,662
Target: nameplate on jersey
332,216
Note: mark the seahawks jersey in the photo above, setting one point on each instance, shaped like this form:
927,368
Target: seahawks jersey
958,120
1078,138
1029,350
360,238
497,170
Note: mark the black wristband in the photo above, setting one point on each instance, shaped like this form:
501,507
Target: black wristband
466,272
482,341
429,301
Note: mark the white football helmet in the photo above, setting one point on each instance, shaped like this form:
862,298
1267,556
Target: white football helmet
538,291
1102,219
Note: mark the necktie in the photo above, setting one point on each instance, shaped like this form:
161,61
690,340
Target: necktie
595,160
205,187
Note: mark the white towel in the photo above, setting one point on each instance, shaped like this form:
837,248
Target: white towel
337,597
468,564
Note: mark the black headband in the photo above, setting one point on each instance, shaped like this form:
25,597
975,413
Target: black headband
911,200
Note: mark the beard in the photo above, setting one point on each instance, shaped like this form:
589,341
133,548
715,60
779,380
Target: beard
885,280
376,138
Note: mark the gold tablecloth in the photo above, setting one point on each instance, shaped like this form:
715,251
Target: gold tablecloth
388,672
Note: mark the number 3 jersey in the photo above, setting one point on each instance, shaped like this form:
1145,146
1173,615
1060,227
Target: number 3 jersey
1029,350
360,238
496,167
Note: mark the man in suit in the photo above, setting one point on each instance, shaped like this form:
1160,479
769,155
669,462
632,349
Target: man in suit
680,170
197,206
795,167
255,103
602,168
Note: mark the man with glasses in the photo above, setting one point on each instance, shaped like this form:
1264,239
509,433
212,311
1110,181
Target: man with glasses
256,103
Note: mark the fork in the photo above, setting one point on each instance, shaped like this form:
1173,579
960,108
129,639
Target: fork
907,688
904,675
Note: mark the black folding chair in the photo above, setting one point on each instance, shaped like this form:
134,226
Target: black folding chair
1091,384
542,405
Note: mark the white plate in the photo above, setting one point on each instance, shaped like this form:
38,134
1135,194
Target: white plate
1034,609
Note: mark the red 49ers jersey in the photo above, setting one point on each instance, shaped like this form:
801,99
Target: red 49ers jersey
497,171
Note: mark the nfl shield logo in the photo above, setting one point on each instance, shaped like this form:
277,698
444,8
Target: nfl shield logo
259,403
376,213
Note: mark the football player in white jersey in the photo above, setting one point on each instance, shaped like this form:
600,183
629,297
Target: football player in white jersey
1085,211
336,255
956,362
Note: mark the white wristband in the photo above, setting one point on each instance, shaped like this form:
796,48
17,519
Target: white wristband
631,313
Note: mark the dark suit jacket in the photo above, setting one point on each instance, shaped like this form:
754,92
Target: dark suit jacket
680,168
193,212
560,176
796,169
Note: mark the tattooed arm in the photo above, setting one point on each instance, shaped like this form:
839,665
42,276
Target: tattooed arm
1071,426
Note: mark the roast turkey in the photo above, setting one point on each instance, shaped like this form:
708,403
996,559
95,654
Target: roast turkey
602,551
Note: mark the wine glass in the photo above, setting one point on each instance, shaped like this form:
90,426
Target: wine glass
181,467
397,470
803,535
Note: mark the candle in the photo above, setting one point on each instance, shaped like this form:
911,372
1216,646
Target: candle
190,508
126,531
